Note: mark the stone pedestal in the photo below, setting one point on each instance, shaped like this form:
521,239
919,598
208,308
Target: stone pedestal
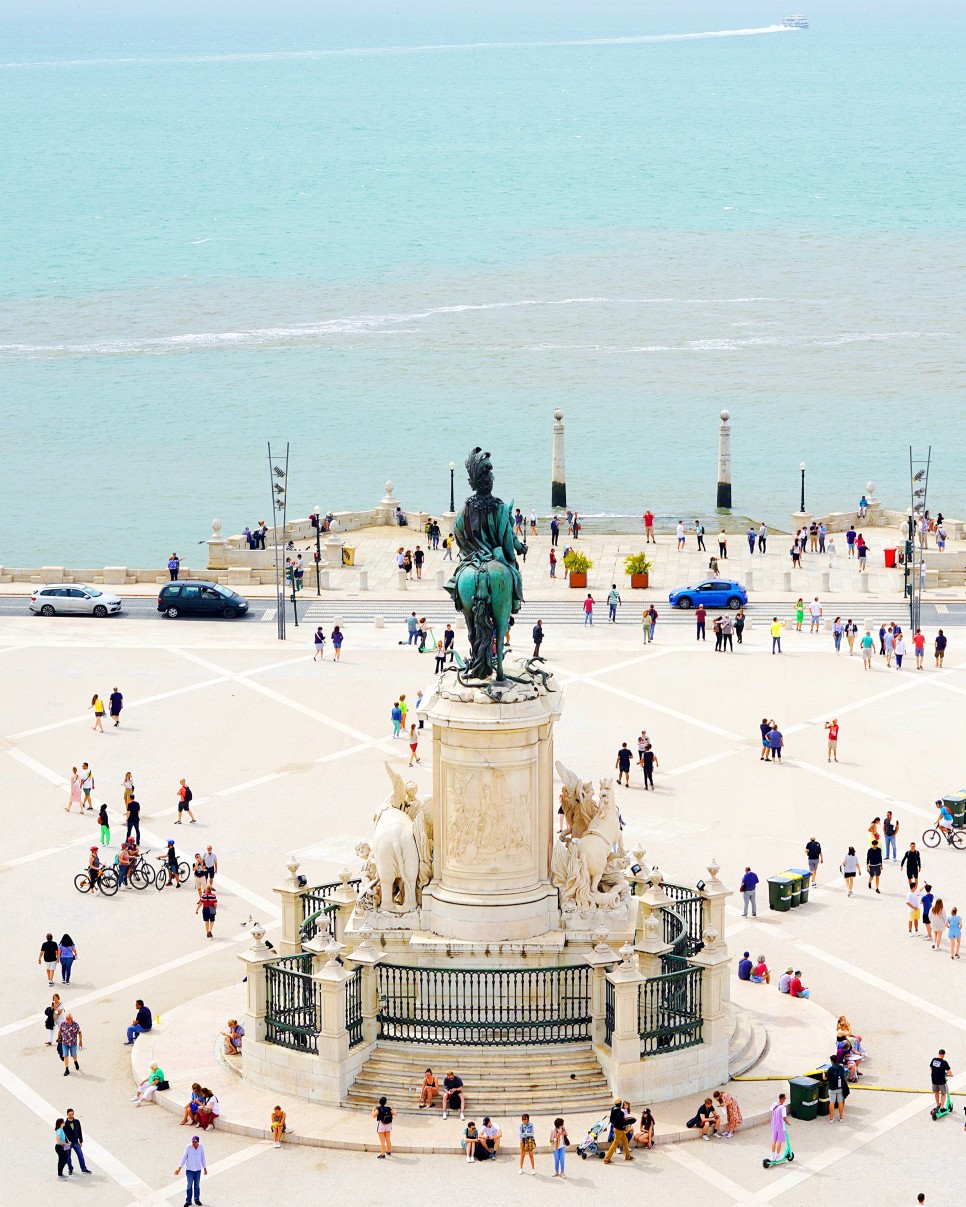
254,959
558,471
290,894
493,813
724,463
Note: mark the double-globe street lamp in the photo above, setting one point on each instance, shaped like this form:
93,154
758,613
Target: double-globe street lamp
802,468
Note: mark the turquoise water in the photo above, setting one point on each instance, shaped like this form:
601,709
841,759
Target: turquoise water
390,235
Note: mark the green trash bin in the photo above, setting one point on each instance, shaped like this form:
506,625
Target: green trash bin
796,888
804,1097
956,804
806,876
819,1075
779,893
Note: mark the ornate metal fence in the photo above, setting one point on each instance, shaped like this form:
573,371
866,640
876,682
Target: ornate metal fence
292,1006
483,1006
683,921
609,1011
353,1007
317,909
669,1009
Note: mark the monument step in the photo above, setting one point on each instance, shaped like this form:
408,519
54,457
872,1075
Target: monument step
748,1045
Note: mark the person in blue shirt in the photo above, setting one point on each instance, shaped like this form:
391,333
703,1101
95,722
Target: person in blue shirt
945,820
749,882
396,717
744,967
142,1022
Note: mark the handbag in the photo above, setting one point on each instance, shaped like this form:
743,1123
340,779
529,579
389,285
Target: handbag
164,1085
566,1141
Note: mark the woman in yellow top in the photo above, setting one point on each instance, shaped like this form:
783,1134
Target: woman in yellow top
98,706
278,1125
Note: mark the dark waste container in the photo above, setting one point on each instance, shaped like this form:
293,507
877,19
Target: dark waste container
803,1097
779,893
819,1075
806,876
796,888
956,804
890,557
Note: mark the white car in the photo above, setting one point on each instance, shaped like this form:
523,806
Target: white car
73,599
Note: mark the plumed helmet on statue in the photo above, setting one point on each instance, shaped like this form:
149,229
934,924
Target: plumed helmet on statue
479,469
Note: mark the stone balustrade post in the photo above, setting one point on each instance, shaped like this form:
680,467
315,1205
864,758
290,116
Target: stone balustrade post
715,895
291,893
366,956
600,958
333,1038
626,1069
345,897
255,959
651,947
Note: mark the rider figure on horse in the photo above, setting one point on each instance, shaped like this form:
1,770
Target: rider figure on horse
486,585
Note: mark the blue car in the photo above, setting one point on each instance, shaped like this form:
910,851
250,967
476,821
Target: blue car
712,593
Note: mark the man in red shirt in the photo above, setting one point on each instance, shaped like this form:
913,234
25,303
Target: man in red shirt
919,644
833,739
208,904
700,617
795,986
649,528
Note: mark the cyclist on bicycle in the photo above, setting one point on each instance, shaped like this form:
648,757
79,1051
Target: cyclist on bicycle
944,821
123,866
170,858
94,868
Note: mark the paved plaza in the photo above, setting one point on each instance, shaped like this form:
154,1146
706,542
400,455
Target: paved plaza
285,755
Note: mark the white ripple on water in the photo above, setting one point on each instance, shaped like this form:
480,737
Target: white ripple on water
730,345
432,48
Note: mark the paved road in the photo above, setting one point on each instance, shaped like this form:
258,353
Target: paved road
312,610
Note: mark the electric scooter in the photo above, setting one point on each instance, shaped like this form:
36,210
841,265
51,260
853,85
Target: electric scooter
787,1155
937,1112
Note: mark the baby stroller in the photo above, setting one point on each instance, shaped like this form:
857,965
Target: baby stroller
592,1145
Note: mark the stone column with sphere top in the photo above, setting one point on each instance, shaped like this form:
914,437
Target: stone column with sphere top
558,470
724,462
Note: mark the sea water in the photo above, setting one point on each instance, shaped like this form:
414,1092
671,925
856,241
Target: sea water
388,232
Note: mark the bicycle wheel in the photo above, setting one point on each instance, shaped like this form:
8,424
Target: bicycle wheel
137,878
931,838
82,882
148,872
107,882
183,872
161,878
958,839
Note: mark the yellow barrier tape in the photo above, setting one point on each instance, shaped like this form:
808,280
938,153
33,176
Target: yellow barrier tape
882,1089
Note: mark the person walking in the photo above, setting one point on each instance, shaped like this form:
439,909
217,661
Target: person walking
739,625
412,627
937,923
700,618
127,787
940,646
919,646
277,1123
413,744
97,704
954,925
750,536
558,1146
850,631
765,728
813,853
723,545
396,717
914,902
900,650
67,954
912,862
679,534
836,1076
115,704
646,626
748,887
799,614
589,609
74,1135
104,823
62,1148
208,904
382,1112
53,1016
185,797
70,1038
418,558
337,639
649,528
873,863
553,563
623,765
699,533
318,643
762,537
815,613
75,792
838,628
890,830
48,956
194,1164
537,638
775,743
866,645
618,1121
133,818
833,739
613,603
648,763
849,868
776,635
174,566
554,530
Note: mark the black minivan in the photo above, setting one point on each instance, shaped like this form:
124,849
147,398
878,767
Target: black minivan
195,597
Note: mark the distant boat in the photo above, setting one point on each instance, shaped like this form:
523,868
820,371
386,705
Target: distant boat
796,22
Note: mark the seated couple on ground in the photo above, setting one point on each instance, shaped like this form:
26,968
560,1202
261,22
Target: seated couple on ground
709,1116
453,1095
202,1110
790,982
481,1143
753,971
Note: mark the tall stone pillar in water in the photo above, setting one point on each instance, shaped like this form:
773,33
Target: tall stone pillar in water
558,472
724,462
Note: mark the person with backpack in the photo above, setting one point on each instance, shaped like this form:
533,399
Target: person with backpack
185,797
382,1113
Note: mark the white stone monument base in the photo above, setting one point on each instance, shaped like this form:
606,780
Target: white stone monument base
449,912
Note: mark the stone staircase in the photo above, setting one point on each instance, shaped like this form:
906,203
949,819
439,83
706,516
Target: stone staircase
497,1081
748,1044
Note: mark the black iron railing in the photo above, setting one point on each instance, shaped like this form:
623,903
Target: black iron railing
669,1010
483,1006
353,1007
609,1009
292,1005
317,909
683,920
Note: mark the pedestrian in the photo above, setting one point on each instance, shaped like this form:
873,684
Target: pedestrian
613,602
648,763
411,629
914,903
850,540
866,645
527,1142
618,1121
74,1135
830,551
553,563
318,642
337,637
200,873
537,638
833,739
762,537
448,547
749,884
383,1113
954,924
69,1039
699,533
799,614
723,545
403,708
408,563
900,649
764,727
440,657
838,628
849,868
102,821
679,534
912,862
775,743
53,1015
862,549
208,904
418,558
278,1125
75,791
421,630
413,744
558,1146
925,910
779,1125
796,556
133,818
649,528
700,617
554,531
837,1078
716,628
727,631
115,704
733,1116
67,954
623,765
940,647
48,955
174,565
62,1148
127,787
873,863
185,797
533,522
589,609
888,645
937,923
890,829
776,635
739,624
194,1164
939,1072
850,631
750,536
813,852
396,718
919,646
822,533
211,864
97,704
